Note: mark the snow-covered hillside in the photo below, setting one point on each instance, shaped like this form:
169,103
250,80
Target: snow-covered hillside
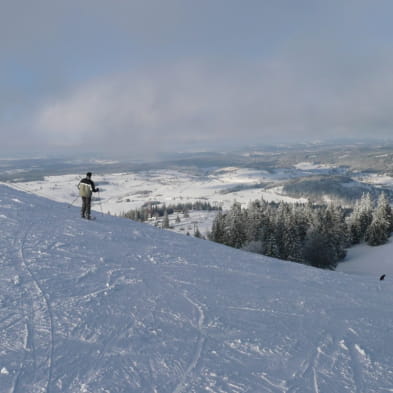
116,306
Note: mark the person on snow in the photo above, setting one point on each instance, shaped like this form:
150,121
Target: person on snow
86,188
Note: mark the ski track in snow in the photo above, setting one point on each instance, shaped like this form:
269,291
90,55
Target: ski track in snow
44,325
113,306
199,346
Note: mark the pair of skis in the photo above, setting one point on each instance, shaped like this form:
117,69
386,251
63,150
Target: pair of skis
92,218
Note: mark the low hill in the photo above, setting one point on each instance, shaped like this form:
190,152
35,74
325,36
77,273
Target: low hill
112,305
322,188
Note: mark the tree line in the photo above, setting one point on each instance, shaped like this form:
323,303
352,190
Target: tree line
317,235
157,209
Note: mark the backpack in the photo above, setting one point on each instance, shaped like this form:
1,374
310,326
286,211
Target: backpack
84,190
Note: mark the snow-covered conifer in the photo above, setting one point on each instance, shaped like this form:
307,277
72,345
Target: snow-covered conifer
379,229
165,221
217,233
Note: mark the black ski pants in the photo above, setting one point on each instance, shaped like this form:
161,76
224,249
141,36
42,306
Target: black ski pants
86,206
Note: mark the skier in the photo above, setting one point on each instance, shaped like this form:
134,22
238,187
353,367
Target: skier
86,188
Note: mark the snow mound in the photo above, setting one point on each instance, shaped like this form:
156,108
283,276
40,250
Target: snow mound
116,306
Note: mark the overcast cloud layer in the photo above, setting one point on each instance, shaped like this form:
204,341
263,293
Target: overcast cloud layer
150,76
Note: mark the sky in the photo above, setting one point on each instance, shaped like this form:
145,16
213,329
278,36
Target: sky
151,76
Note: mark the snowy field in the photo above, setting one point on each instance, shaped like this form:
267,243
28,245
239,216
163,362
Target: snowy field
112,305
122,192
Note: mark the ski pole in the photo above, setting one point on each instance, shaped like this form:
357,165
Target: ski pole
73,201
99,199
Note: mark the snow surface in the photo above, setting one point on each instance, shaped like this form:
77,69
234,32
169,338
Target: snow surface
112,305
377,179
306,166
365,259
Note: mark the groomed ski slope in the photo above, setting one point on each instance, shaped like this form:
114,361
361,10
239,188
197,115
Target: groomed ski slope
116,306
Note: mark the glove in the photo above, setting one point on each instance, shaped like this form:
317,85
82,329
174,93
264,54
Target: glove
97,189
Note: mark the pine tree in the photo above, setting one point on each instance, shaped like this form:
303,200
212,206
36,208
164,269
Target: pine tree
384,206
296,232
379,230
270,246
360,219
354,228
165,221
197,233
335,230
253,225
280,230
366,213
235,224
317,250
217,233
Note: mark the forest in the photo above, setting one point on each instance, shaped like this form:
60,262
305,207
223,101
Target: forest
157,209
316,235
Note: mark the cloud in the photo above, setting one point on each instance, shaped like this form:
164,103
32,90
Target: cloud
195,103
132,110
152,75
